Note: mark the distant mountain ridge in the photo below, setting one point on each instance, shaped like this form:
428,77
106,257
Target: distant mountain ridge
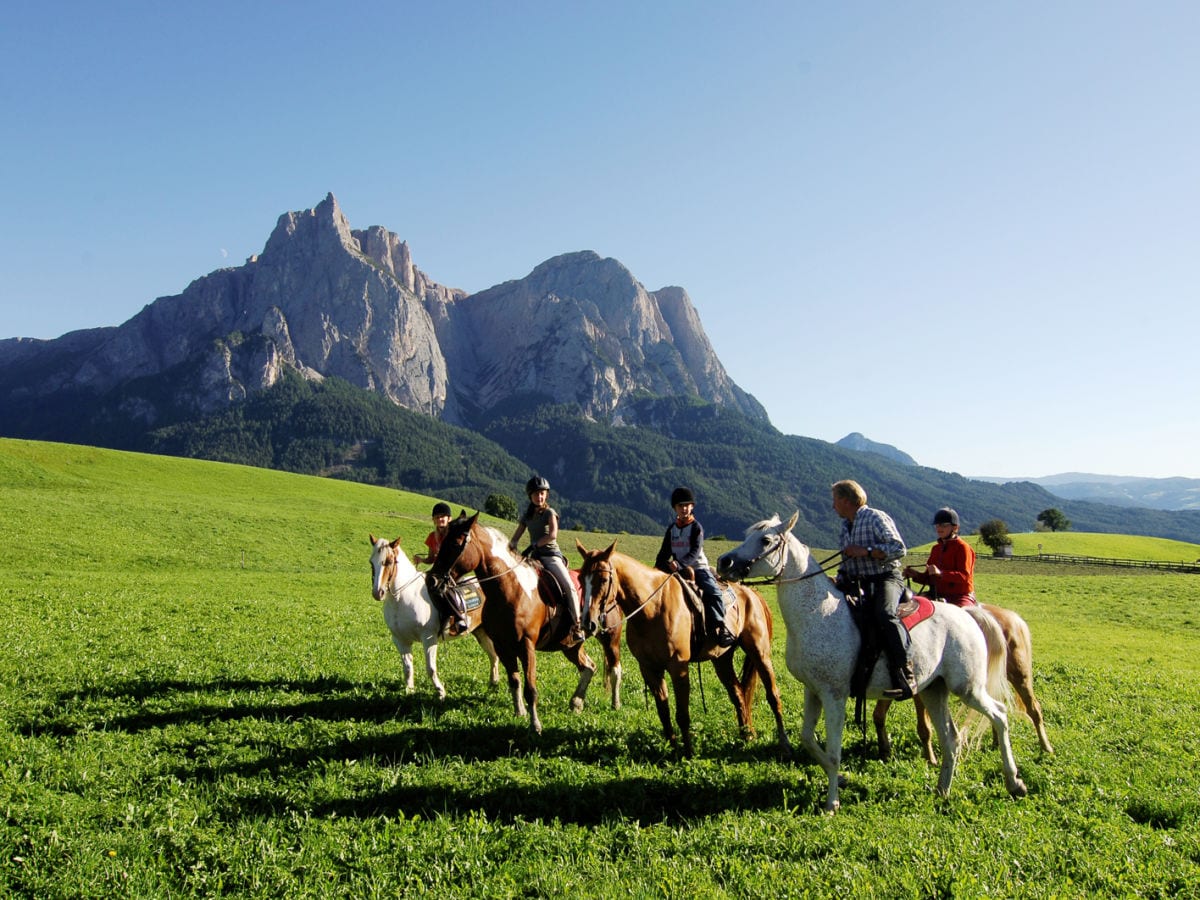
332,353
1119,490
861,444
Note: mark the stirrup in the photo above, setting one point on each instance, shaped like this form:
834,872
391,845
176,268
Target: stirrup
723,636
903,692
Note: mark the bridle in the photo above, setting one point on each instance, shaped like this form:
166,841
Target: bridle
778,578
447,576
389,562
607,599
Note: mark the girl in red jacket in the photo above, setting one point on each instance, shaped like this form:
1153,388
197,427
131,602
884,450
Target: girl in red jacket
950,570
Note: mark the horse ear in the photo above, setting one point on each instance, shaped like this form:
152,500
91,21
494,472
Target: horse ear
583,551
792,521
372,540
611,547
395,543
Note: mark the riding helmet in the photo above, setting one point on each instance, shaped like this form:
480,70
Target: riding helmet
536,483
681,495
441,509
945,516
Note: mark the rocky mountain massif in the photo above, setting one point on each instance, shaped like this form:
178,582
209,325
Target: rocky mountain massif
330,351
325,300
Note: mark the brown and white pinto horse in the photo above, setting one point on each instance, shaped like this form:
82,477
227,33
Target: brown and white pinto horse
658,629
517,620
1018,658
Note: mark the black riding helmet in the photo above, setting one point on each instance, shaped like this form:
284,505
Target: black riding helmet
945,516
536,483
440,509
681,495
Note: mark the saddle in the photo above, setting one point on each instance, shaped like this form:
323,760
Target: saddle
911,611
695,604
551,596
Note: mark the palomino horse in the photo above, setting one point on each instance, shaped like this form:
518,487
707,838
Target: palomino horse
515,617
1018,656
658,629
410,615
949,654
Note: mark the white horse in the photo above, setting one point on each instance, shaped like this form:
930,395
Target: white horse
949,654
410,614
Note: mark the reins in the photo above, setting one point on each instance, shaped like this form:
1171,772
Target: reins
779,579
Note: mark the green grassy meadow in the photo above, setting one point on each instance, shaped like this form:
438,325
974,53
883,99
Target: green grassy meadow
199,698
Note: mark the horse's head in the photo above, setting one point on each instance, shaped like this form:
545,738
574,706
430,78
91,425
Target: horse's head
456,555
762,554
385,558
597,580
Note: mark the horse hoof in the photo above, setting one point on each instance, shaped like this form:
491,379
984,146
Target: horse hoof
576,705
1019,789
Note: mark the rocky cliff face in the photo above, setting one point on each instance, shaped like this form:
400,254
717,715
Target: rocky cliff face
326,300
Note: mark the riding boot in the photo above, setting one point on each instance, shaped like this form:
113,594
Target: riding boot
462,624
903,686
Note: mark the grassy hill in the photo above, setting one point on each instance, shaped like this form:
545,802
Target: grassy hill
198,697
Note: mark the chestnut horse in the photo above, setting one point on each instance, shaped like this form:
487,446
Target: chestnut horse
1018,649
517,620
410,615
658,628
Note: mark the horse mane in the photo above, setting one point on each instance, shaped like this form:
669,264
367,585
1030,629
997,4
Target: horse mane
764,525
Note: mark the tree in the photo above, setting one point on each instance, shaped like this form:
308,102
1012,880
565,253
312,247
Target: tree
1054,519
994,533
501,506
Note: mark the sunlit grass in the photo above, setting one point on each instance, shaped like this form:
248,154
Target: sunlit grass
199,698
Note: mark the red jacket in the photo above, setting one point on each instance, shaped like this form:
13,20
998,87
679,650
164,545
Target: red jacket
956,558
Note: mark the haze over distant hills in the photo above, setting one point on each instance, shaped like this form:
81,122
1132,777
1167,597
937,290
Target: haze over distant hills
1118,490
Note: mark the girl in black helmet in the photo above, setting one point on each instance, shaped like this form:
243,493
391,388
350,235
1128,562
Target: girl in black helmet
542,522
683,551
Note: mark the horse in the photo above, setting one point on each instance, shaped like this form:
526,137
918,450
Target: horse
949,654
1018,650
658,629
517,620
410,615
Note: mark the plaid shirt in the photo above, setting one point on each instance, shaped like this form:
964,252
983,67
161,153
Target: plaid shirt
872,528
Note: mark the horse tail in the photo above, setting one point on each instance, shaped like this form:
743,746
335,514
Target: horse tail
975,725
1020,646
997,653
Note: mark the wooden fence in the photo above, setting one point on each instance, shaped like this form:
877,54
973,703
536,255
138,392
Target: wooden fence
1192,568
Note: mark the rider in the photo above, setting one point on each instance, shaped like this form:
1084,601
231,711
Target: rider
682,551
871,552
542,522
950,569
441,524
453,598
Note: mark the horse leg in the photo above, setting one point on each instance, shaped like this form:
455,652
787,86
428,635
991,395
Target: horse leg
936,699
612,667
835,720
481,637
1019,670
656,683
431,648
529,662
406,657
879,717
723,665
587,668
923,730
762,665
683,694
980,700
835,723
508,658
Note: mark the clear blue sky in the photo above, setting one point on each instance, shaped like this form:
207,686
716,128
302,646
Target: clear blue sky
968,230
